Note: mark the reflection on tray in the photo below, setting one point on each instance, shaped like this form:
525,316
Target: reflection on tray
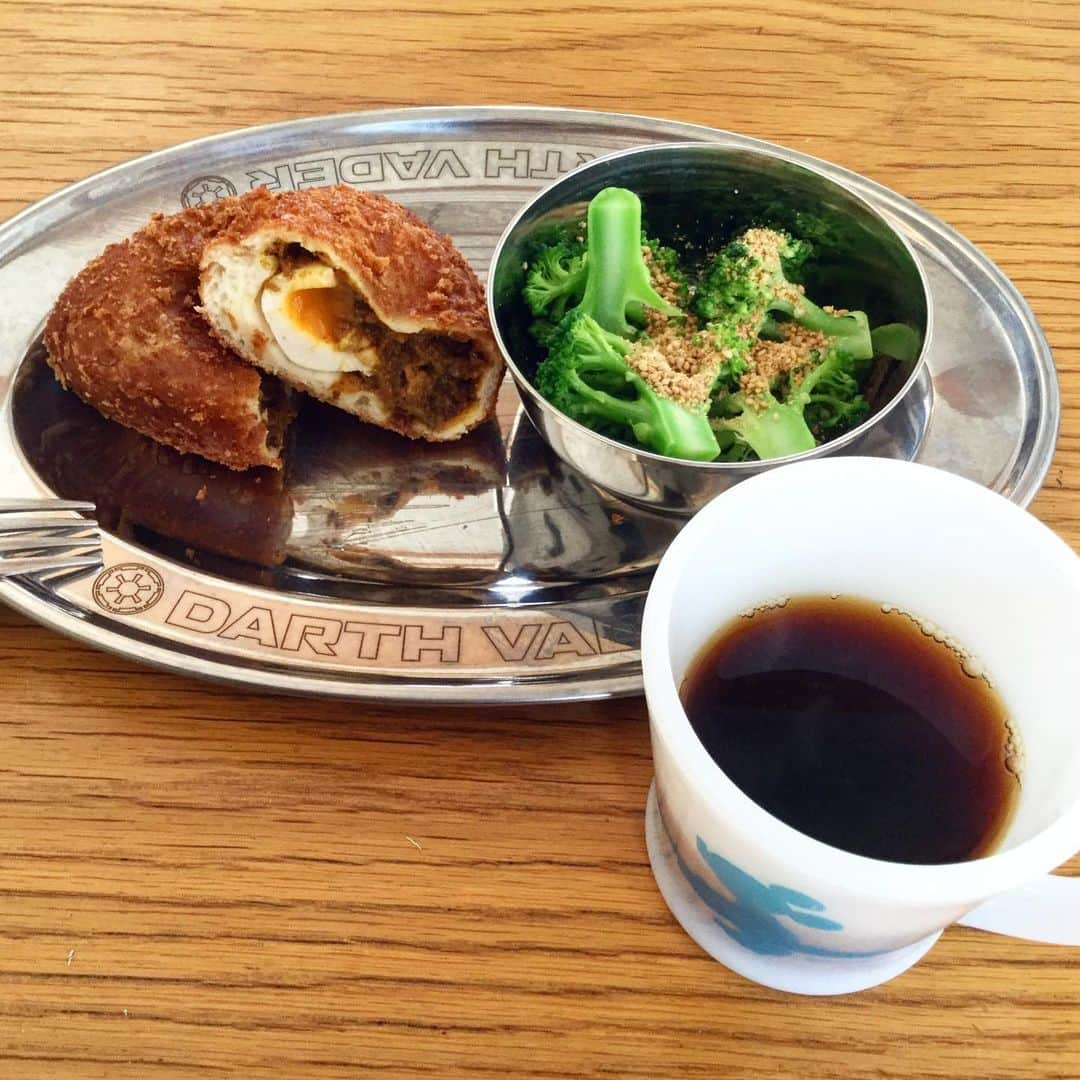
358,512
136,482
496,509
562,528
376,505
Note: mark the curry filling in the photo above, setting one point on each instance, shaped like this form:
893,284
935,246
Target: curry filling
276,410
422,376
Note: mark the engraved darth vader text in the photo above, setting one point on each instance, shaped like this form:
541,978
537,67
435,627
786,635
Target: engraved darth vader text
383,641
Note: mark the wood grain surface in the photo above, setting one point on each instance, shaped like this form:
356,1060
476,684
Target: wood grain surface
200,882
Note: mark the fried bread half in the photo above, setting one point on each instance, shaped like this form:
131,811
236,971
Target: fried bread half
126,337
352,298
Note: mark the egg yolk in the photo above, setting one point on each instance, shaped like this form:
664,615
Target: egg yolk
326,314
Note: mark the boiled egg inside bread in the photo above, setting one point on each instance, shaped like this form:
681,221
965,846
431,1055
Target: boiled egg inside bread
311,315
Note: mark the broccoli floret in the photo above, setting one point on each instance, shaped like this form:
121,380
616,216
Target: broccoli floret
555,279
587,377
557,276
827,400
736,352
726,292
666,260
742,288
831,391
617,277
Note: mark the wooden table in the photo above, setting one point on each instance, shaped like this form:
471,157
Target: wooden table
202,882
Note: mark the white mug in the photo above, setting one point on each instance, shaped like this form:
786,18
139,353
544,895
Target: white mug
772,903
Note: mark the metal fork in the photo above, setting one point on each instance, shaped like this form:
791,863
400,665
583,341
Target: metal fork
39,535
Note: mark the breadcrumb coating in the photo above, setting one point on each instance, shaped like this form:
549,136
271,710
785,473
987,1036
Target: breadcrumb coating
125,336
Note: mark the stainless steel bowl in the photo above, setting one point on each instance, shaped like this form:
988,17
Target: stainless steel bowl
695,197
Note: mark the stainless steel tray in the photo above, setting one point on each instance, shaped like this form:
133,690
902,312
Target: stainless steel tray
484,572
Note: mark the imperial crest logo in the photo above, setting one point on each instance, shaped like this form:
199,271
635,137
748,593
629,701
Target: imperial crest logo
128,588
204,190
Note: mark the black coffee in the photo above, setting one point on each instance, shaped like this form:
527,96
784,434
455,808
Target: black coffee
853,723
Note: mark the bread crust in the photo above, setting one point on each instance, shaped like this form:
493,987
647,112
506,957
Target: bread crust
126,337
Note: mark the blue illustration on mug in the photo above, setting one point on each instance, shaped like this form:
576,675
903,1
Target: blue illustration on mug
751,914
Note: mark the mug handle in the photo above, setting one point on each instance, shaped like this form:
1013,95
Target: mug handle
1047,910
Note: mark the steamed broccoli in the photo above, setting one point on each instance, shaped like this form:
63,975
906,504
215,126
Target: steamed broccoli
558,274
587,377
555,279
763,424
826,400
735,349
666,261
747,281
590,291
586,374
833,401
617,277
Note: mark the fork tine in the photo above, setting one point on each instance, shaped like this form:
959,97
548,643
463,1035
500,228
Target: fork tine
15,567
45,522
34,539
13,543
30,506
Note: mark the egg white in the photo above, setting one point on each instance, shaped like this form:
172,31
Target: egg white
303,348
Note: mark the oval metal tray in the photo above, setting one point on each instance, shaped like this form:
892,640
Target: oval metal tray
478,573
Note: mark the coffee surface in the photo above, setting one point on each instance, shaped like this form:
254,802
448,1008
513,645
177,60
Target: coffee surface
857,725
